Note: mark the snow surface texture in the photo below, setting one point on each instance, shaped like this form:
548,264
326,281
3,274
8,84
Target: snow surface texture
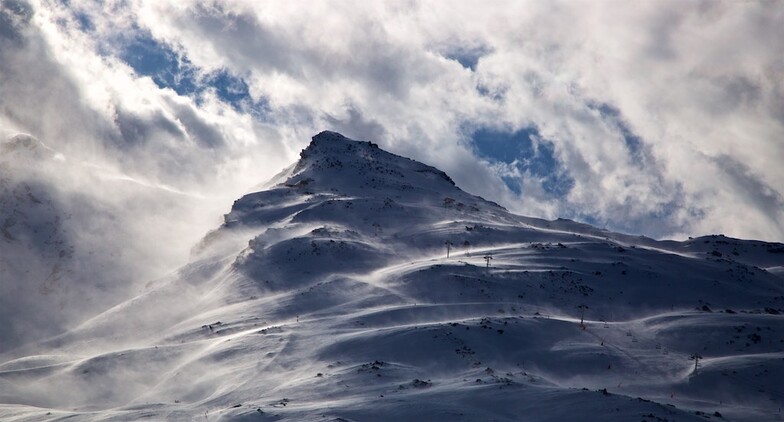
330,296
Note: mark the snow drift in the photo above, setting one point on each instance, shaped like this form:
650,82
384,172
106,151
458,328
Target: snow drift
361,285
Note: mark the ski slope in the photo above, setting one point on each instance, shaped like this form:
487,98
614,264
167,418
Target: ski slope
329,296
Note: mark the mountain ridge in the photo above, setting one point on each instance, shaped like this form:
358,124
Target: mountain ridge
356,287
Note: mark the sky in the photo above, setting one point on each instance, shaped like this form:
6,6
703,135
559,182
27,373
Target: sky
664,118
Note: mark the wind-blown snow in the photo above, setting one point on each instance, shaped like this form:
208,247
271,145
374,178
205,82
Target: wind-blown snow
329,296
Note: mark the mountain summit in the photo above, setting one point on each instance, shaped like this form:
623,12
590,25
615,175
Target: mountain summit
362,285
349,165
335,165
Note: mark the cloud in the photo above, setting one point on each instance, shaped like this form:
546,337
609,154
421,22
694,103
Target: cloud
627,97
143,173
767,204
623,94
664,119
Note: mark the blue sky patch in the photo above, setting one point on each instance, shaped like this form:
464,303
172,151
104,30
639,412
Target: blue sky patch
229,88
84,21
529,153
169,69
467,57
148,57
513,184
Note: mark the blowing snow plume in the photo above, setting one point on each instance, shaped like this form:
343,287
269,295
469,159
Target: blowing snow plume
76,238
364,285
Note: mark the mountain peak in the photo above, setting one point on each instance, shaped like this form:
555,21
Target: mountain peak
363,275
335,163
329,136
333,143
334,166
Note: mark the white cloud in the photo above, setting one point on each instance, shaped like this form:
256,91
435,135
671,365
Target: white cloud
695,82
698,84
146,172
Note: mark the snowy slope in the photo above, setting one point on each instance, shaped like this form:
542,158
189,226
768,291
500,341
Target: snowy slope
35,244
329,296
63,255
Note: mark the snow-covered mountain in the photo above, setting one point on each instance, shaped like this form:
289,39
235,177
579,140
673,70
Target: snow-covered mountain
361,285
